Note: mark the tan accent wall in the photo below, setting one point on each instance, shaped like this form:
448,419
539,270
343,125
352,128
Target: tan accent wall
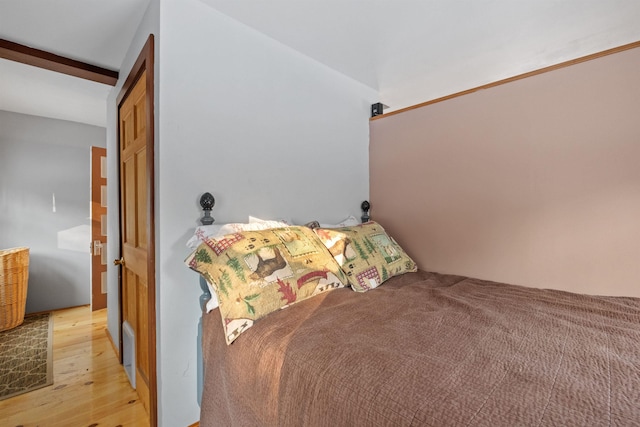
534,182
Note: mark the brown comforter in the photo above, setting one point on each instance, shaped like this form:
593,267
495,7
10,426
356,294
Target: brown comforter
430,350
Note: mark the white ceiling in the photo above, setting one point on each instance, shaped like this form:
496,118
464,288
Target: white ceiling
97,32
412,51
409,51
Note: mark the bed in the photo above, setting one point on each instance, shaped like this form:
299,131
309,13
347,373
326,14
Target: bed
427,349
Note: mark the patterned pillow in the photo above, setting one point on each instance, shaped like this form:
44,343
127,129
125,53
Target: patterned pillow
366,253
257,272
205,232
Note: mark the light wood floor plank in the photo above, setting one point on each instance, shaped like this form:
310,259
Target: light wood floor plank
89,384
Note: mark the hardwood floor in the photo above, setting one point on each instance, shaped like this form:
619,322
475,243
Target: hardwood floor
89,387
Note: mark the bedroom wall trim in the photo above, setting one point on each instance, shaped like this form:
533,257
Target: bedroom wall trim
514,78
50,61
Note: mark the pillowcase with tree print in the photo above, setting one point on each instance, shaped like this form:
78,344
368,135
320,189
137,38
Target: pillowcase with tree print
366,254
257,272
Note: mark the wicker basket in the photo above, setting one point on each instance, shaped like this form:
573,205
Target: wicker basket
14,274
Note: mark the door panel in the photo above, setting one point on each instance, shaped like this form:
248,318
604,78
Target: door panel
135,222
137,238
98,228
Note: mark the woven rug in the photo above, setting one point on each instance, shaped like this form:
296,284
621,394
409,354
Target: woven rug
26,356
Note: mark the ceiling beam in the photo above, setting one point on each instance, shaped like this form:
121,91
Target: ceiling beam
49,61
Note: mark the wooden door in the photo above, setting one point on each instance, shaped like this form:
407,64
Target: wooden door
98,228
137,261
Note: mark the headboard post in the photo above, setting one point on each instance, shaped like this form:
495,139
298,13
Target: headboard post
365,206
207,202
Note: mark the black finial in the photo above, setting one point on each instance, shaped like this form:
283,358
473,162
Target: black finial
207,202
365,206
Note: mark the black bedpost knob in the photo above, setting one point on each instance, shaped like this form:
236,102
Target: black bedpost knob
365,206
207,202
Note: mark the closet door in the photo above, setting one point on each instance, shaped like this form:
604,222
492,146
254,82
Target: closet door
137,261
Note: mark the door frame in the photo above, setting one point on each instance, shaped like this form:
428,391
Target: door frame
144,62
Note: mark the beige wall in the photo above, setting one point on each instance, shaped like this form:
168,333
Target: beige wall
534,182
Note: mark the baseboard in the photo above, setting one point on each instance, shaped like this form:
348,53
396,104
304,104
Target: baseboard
115,348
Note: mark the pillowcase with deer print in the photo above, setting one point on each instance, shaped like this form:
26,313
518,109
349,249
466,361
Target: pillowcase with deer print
366,253
257,272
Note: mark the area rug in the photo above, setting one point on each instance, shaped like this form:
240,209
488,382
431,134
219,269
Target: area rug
26,356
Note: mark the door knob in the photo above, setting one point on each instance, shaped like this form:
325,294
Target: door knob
118,262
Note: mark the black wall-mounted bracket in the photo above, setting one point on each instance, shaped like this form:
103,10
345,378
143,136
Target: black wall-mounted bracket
377,109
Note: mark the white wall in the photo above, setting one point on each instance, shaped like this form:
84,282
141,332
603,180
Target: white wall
42,159
268,131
